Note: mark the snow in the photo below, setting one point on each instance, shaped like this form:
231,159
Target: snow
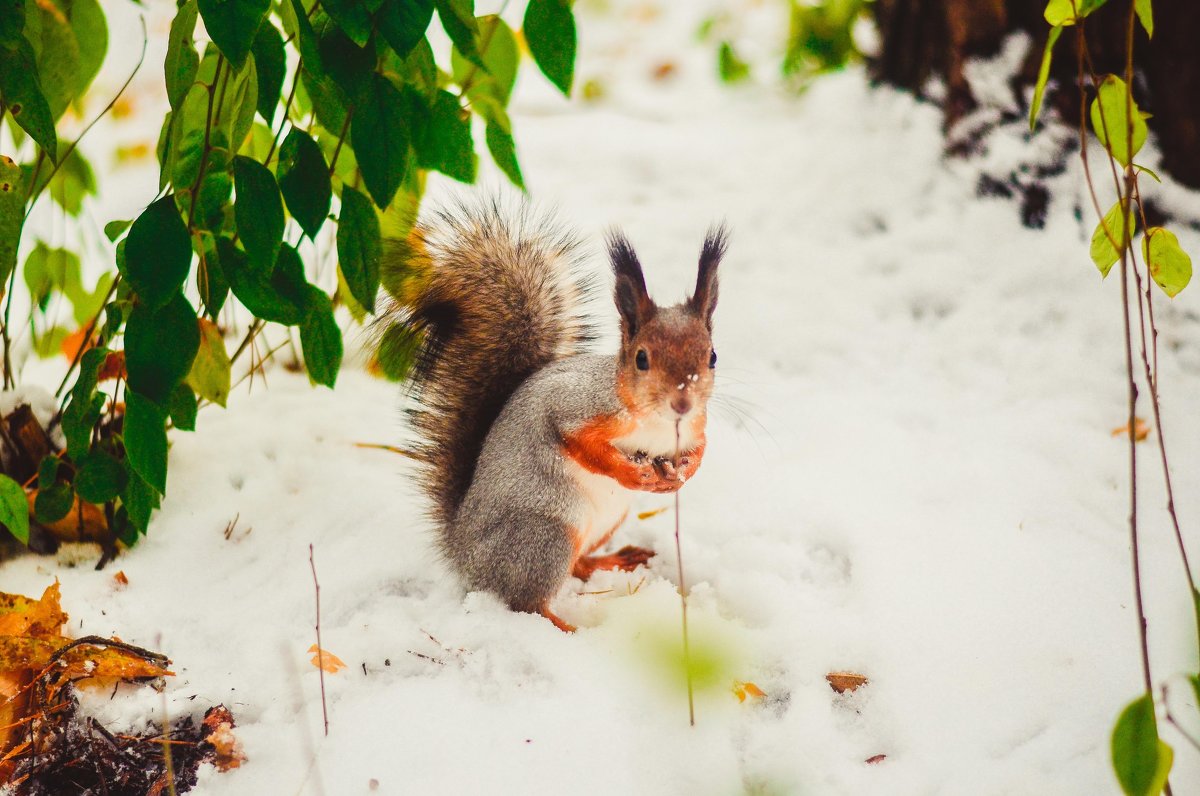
910,475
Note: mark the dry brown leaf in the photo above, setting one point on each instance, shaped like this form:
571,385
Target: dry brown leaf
873,759
1140,430
85,522
113,367
324,659
846,682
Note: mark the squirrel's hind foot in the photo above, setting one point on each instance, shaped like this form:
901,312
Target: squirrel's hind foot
556,620
626,559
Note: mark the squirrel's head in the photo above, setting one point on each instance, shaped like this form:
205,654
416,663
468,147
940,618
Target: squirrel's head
667,358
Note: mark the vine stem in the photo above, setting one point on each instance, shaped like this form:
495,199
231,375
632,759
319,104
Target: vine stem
687,654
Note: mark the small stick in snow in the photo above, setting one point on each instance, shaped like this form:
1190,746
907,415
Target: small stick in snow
320,649
687,657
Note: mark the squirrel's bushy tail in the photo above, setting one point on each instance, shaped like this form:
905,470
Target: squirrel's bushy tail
491,295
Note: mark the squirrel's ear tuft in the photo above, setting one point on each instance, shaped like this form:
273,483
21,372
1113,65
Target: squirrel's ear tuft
633,302
704,301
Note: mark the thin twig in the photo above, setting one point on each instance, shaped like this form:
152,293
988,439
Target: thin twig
687,654
320,649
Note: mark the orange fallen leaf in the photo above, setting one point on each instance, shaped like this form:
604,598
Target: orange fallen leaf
74,342
664,70
746,689
1140,430
85,522
324,659
645,515
120,578
843,682
41,618
219,724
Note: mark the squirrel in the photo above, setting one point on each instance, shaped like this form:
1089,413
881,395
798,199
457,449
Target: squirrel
528,444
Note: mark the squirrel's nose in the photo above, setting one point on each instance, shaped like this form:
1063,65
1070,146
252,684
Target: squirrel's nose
681,404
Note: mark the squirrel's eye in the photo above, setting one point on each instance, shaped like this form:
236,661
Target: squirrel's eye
712,360
643,361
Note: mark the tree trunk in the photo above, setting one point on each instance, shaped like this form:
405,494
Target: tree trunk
934,38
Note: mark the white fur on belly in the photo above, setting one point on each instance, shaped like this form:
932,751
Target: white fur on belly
604,504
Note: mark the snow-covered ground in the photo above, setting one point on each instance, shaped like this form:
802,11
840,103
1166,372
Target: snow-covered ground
910,475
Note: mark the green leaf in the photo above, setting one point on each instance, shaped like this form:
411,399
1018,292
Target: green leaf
115,229
258,211
99,477
504,152
379,133
1144,170
458,19
347,63
1110,238
84,409
1141,761
730,67
12,214
233,24
1146,15
273,295
329,102
321,340
182,408
403,22
270,67
160,346
53,502
445,142
140,500
210,375
398,351
1043,75
145,433
59,62
1112,123
91,32
48,471
550,33
182,60
22,93
210,276
1170,266
501,56
352,17
14,509
359,247
306,38
234,113
1068,12
158,253
12,22
304,180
